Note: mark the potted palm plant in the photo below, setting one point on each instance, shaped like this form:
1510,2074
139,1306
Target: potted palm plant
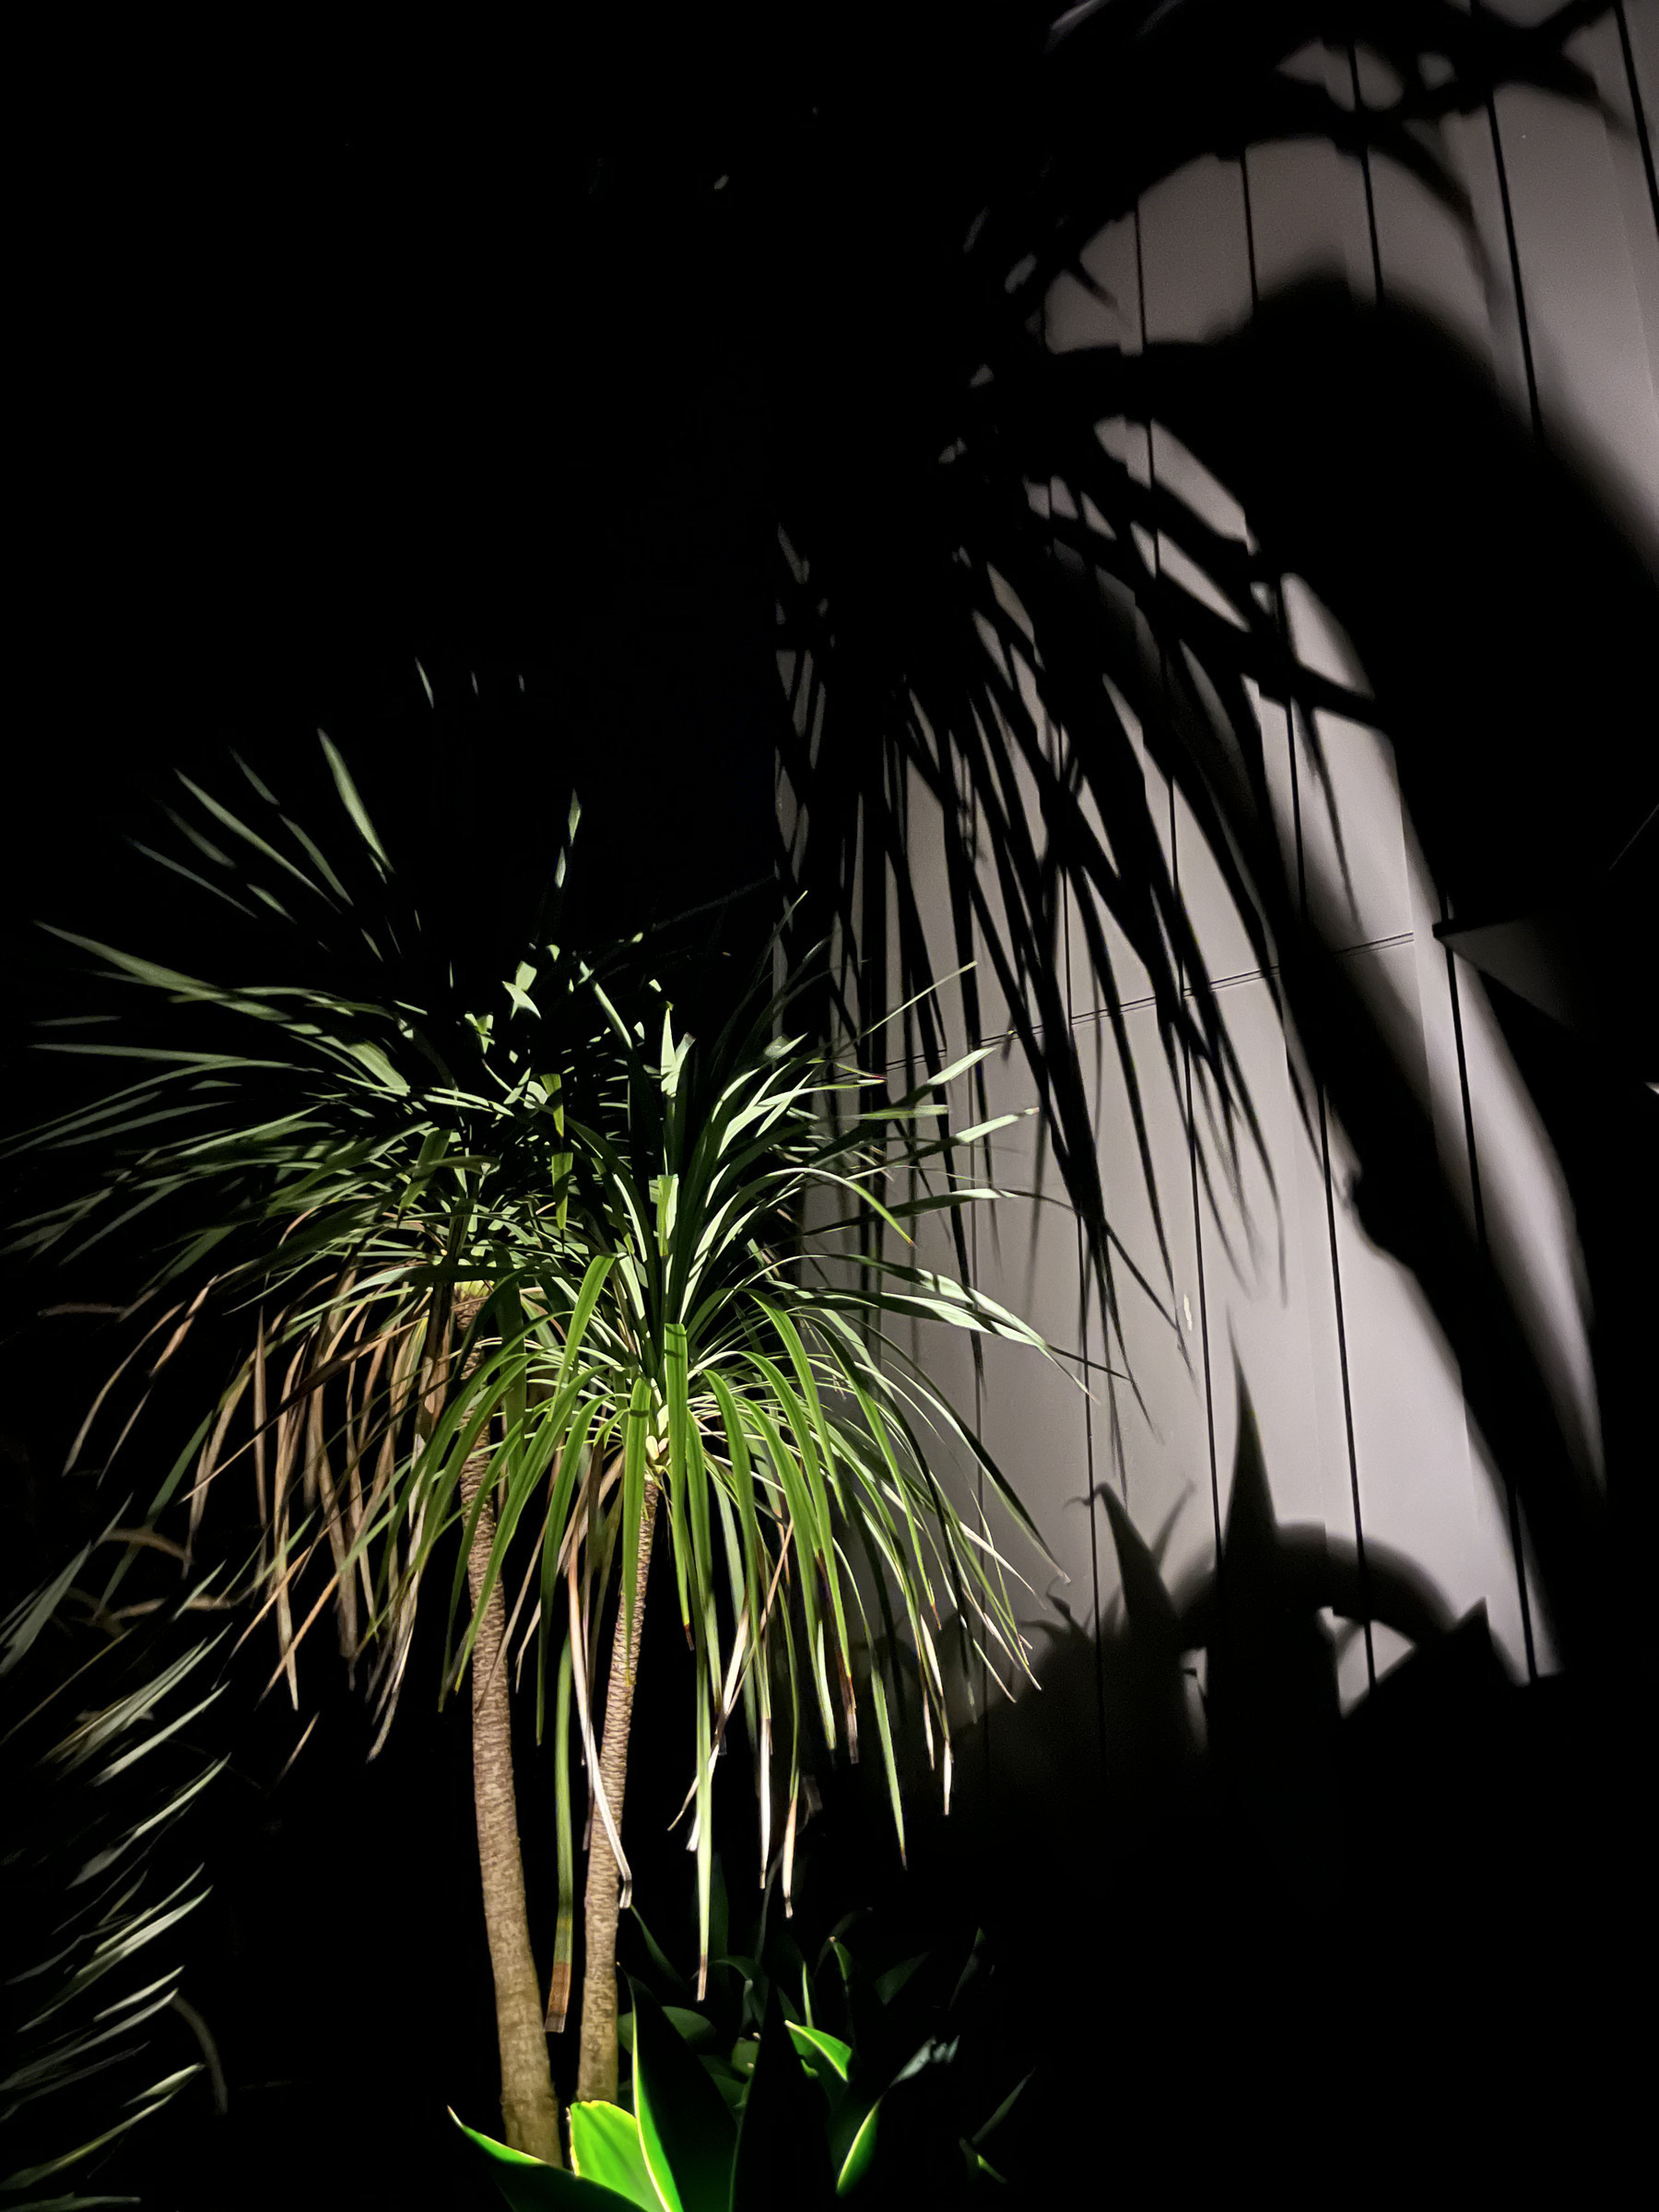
539,1273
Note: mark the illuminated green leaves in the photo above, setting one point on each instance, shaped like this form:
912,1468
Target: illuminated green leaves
546,1259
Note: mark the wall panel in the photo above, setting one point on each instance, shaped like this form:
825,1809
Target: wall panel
1357,1398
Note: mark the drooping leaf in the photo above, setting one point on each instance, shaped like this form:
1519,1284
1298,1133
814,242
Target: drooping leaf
822,2052
605,2147
860,2151
781,2155
686,2130
690,2026
530,2185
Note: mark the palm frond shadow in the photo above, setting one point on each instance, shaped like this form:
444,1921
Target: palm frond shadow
1013,645
1217,1685
1188,1854
1234,1664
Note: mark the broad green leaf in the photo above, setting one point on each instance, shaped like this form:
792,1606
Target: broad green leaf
604,2148
659,1957
823,2052
783,2158
684,2128
698,2031
530,2185
889,1984
860,2153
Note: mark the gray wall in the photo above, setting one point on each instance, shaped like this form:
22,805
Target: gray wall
1359,1400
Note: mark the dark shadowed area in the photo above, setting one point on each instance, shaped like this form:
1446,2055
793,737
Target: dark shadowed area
447,404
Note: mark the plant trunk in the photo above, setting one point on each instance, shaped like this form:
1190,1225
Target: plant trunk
598,2073
529,2108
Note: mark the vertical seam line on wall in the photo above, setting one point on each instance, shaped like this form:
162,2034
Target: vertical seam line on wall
1083,1304
1452,979
1052,734
1089,1457
1186,1053
1301,892
1484,1249
1454,985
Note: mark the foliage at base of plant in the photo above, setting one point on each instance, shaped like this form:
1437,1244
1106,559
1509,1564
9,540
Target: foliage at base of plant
898,2035
844,2076
802,2131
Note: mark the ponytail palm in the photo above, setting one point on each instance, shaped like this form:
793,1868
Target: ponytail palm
541,1276
678,1348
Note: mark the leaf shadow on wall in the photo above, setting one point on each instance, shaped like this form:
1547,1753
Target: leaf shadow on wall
1255,1926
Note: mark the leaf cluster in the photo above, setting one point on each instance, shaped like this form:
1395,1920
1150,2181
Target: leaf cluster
99,1761
904,2046
797,2112
528,1293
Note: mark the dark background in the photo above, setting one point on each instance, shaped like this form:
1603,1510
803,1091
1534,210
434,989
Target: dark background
334,360
333,363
